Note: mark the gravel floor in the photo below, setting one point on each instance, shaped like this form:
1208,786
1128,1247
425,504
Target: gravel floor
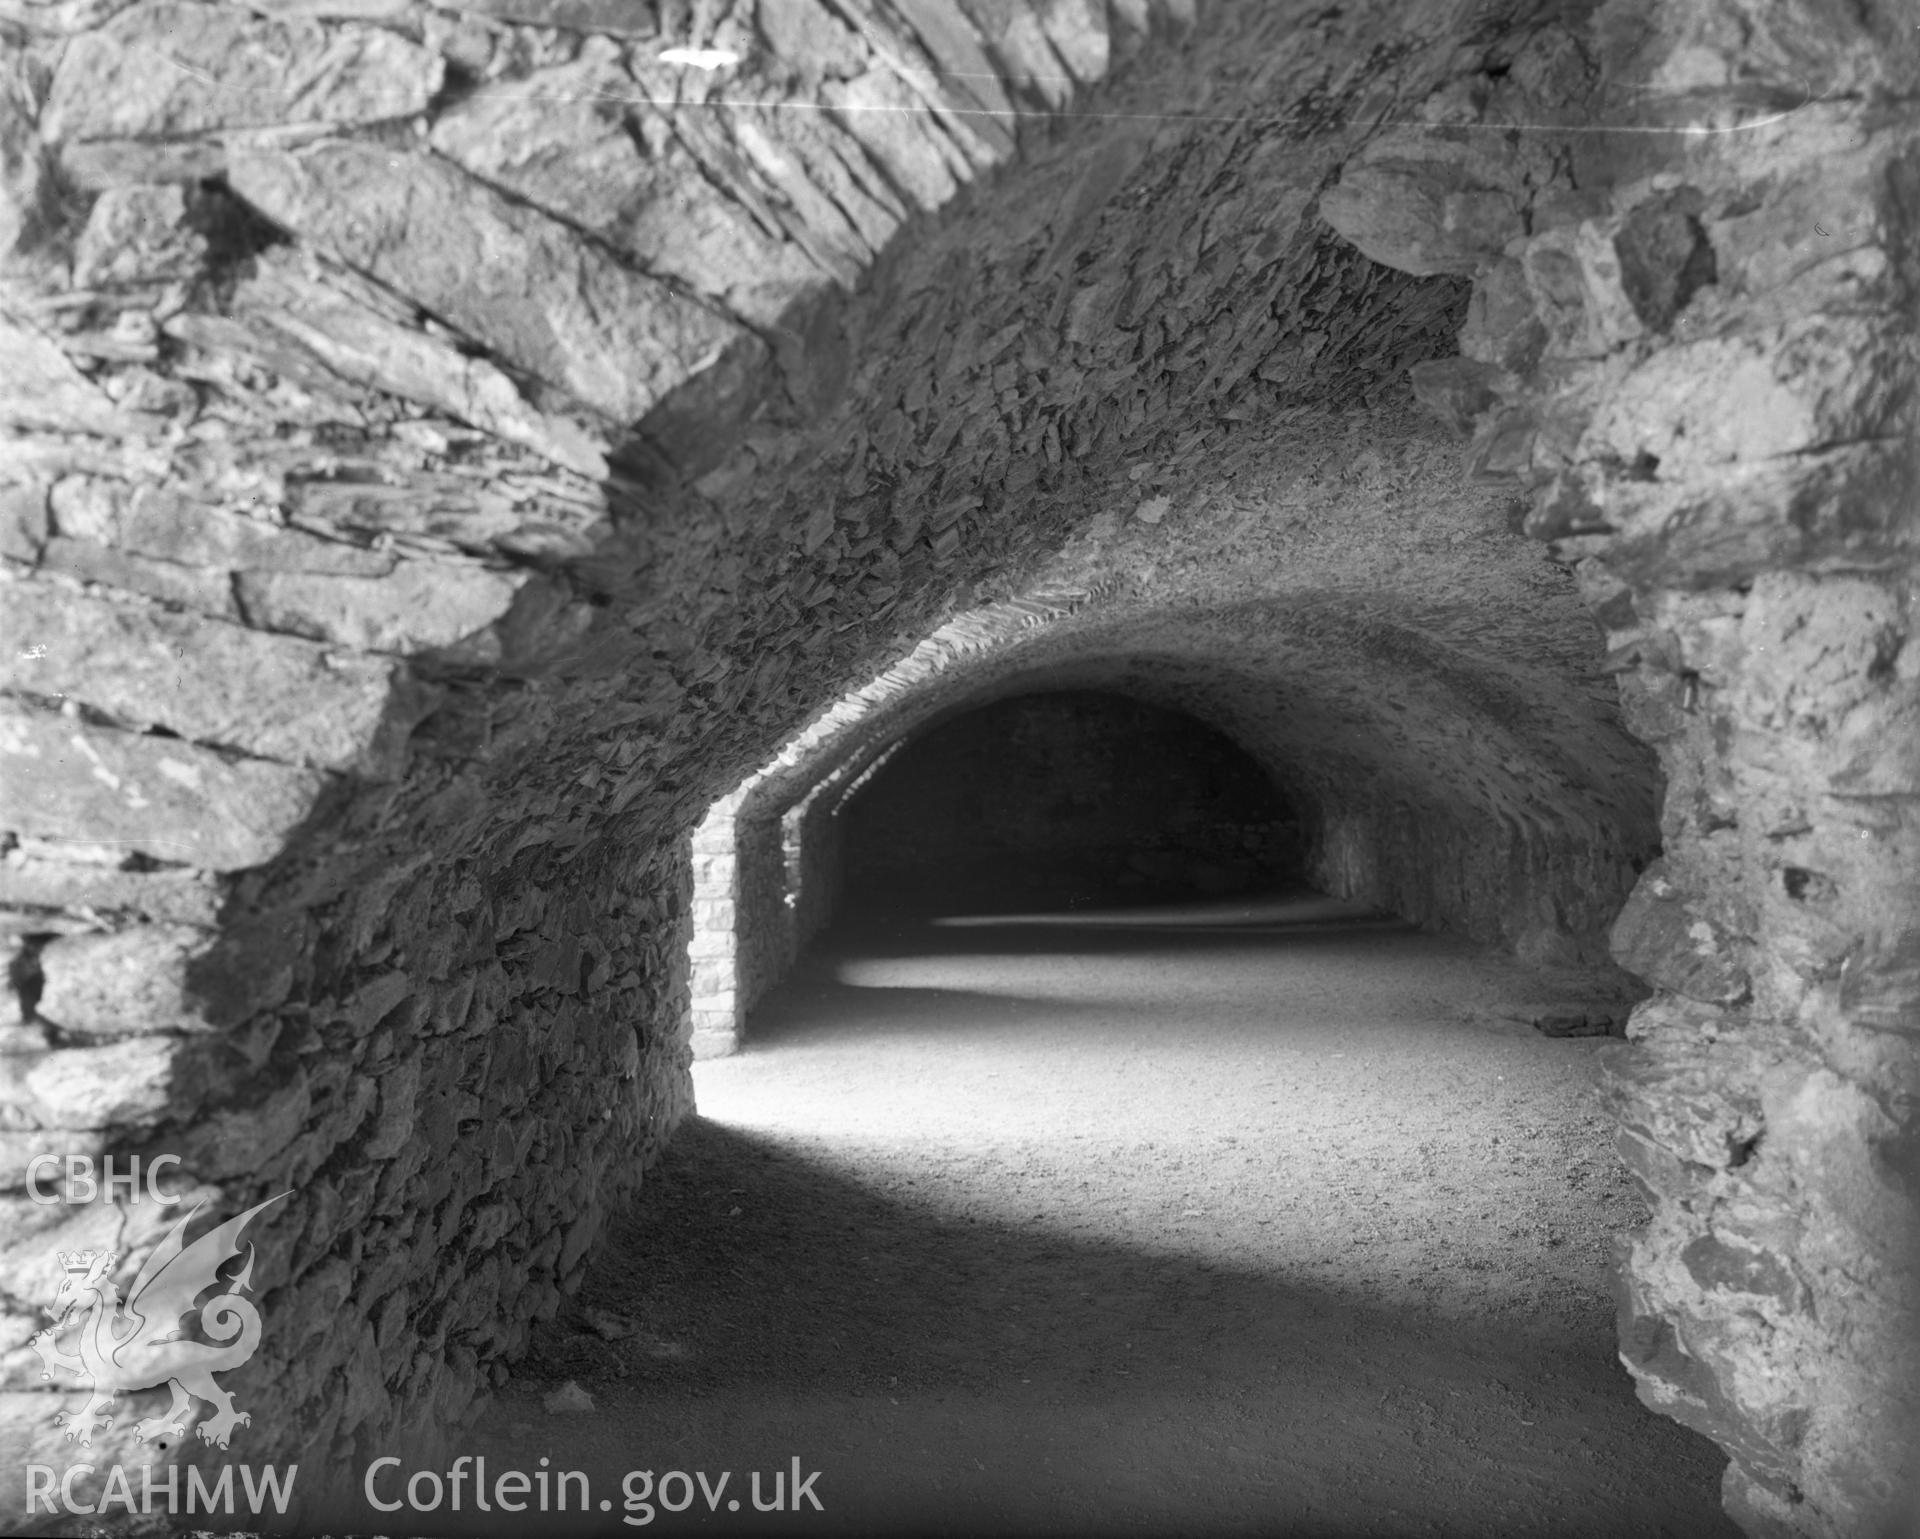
1238,1218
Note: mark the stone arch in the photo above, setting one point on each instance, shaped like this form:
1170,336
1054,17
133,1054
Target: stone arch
475,603
1351,699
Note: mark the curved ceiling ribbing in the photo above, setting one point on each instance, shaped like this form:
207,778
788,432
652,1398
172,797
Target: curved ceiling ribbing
1366,626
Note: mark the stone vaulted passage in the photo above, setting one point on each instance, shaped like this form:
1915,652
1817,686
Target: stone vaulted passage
486,488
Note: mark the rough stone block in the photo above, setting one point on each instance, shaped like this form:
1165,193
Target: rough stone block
1881,984
100,164
953,37
1665,257
522,283
1663,938
208,590
212,682
63,779
1660,1174
1077,31
41,388
25,189
622,18
808,38
112,1086
1715,1264
169,526
317,310
1573,276
1423,217
1854,1163
576,157
138,235
1781,388
23,522
1724,524
226,68
881,111
1764,247
1026,66
843,205
1815,649
184,897
1653,704
1693,1103
134,981
1675,1382
1458,390
1501,326
424,604
462,512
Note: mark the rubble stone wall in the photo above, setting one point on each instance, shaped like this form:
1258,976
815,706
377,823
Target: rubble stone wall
436,470
1695,350
1544,893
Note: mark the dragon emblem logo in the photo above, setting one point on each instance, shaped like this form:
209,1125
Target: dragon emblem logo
141,1343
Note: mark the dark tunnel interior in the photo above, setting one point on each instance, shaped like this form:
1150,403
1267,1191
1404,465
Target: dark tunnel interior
1069,799
606,611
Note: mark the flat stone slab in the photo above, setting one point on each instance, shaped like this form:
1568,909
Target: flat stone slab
297,299
169,526
620,17
63,779
187,897
525,285
42,388
89,1087
274,696
171,68
561,140
424,604
132,981
207,590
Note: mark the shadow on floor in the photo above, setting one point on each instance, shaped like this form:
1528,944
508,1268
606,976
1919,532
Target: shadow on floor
942,1256
965,1377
